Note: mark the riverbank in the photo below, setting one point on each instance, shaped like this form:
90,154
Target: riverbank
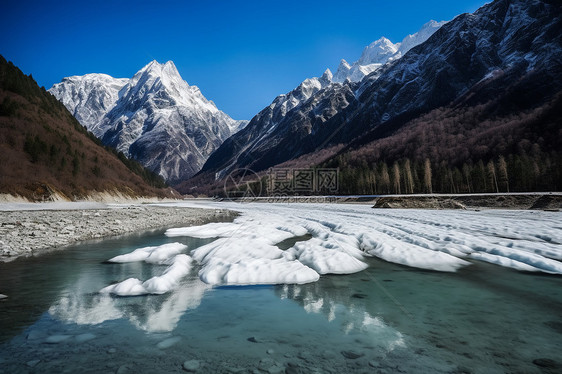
536,201
34,229
550,201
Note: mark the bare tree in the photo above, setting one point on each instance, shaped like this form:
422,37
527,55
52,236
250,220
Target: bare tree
492,175
502,171
396,178
427,176
408,178
385,178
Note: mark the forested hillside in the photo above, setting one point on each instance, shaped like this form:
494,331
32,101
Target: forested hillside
45,151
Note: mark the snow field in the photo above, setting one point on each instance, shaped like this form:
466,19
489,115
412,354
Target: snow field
245,251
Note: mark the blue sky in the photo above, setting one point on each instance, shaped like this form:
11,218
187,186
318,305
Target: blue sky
241,54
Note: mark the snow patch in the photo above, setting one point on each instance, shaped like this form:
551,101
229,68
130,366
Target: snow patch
169,280
152,255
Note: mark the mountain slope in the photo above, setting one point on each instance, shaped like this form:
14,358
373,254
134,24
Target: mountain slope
89,97
505,45
46,152
155,118
294,112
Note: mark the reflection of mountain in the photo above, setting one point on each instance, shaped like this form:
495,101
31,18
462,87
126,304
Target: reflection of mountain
341,305
153,313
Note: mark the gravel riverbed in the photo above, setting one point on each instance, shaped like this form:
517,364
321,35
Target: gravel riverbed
32,232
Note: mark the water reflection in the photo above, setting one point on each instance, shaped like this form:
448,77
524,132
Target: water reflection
342,306
148,313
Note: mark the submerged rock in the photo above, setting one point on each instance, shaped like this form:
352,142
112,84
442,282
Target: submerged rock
32,363
351,355
84,337
167,343
191,365
55,339
546,363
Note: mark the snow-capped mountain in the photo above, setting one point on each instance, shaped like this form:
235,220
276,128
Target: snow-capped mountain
155,117
381,51
504,46
262,133
89,97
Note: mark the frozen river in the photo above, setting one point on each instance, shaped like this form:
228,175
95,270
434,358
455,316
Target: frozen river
296,288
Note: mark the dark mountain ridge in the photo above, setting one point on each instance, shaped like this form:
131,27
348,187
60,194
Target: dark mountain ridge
508,55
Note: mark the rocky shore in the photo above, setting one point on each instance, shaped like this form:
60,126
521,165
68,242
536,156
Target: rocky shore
31,232
532,201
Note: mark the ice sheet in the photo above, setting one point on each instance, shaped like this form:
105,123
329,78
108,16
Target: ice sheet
441,240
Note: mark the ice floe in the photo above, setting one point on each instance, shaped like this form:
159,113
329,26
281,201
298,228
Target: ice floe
179,268
152,255
257,271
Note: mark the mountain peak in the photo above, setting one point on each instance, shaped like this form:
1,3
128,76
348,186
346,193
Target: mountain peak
378,52
157,69
382,51
327,76
419,37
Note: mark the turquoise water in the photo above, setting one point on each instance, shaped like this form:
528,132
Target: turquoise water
388,318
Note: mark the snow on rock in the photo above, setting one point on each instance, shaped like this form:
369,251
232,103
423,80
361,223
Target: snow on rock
152,255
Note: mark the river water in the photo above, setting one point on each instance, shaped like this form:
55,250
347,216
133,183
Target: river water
388,318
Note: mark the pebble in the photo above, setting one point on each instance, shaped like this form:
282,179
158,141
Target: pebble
191,365
276,369
32,363
123,369
270,351
265,363
111,350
